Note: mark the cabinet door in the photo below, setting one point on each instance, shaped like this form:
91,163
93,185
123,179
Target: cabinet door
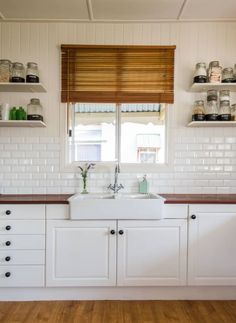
212,247
152,253
81,253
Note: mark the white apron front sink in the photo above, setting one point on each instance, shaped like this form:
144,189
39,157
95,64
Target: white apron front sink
119,206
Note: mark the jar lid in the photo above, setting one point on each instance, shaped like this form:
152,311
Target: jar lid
214,64
32,65
199,102
18,65
35,101
5,61
228,69
201,64
225,102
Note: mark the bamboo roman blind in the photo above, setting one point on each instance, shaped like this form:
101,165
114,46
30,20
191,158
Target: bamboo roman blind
119,74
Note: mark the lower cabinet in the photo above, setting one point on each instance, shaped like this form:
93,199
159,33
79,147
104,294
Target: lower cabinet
110,253
212,245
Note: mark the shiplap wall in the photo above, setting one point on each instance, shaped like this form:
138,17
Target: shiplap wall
203,160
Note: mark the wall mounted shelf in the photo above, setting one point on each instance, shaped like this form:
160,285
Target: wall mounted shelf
212,124
22,123
204,87
22,87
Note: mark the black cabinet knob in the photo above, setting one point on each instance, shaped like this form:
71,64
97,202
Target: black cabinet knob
193,216
7,274
8,227
121,232
112,232
8,243
8,258
8,212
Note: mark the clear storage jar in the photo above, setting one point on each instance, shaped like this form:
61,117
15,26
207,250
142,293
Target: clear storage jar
34,110
234,73
5,70
224,95
18,73
198,111
32,73
200,75
233,112
227,75
211,110
214,72
224,111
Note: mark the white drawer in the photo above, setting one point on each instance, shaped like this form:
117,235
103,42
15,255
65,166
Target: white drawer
22,257
27,242
22,227
22,211
22,276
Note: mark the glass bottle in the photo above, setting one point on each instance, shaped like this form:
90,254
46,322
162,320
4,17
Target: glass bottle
18,73
233,112
32,73
198,111
34,110
200,75
224,111
234,73
214,72
211,110
5,70
227,75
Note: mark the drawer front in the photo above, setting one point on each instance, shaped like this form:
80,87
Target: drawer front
28,242
22,211
22,276
22,227
22,257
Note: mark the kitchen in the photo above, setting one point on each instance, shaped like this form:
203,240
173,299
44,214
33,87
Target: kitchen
194,170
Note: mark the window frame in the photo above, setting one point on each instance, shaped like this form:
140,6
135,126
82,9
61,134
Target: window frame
108,166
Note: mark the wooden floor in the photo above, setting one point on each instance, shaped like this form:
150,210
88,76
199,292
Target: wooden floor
119,312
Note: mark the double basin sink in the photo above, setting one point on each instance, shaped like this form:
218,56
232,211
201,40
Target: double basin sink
116,206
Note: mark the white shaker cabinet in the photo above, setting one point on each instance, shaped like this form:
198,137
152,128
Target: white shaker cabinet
212,245
81,253
152,253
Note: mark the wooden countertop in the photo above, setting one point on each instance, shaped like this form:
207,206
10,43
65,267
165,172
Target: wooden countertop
170,199
199,198
34,199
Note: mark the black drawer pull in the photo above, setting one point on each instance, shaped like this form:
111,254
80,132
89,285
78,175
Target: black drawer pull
193,216
8,227
7,274
8,212
8,243
112,232
8,258
121,232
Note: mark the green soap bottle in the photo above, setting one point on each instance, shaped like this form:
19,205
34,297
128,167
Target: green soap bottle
13,113
144,185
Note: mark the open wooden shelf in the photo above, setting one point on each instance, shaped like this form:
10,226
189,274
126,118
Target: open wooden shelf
22,87
22,123
212,124
204,87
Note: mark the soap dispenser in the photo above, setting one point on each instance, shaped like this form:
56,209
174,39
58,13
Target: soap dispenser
144,185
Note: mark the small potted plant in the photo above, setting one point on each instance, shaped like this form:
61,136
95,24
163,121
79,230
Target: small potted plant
84,173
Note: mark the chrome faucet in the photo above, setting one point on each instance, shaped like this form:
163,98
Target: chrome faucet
115,187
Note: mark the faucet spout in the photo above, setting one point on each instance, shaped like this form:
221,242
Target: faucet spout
116,187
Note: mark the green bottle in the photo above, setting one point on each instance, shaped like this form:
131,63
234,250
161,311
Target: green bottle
20,114
144,185
13,113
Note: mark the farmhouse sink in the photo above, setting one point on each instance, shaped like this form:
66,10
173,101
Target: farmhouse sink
117,206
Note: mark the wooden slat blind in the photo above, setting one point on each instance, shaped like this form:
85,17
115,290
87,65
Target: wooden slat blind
119,74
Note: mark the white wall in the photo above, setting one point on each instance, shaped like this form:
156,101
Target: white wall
204,160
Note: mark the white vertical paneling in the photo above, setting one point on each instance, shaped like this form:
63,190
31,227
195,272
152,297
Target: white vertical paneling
195,42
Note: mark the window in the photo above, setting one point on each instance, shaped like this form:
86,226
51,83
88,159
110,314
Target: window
131,133
117,98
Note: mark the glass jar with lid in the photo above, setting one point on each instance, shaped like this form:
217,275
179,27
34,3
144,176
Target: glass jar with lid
18,73
227,75
234,73
34,110
212,95
224,111
211,110
5,70
198,111
214,72
32,73
200,75
224,95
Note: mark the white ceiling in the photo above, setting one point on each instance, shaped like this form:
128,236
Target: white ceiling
117,10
